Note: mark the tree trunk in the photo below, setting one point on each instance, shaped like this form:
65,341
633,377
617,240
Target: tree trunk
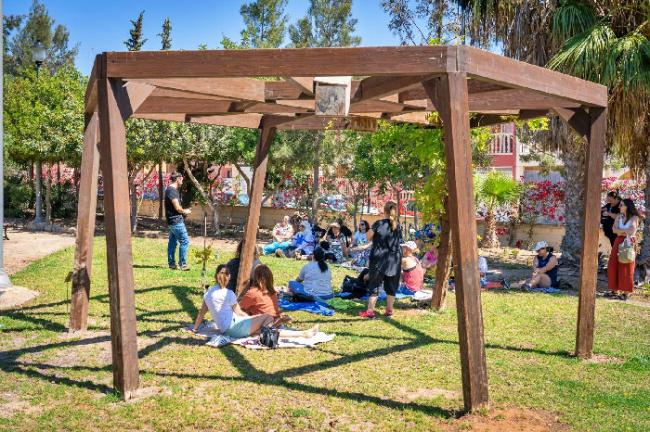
316,174
398,200
443,265
247,180
48,196
574,163
38,203
161,192
490,239
206,198
643,260
134,203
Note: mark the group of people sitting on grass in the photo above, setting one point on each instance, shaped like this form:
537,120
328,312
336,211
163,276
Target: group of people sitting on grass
296,237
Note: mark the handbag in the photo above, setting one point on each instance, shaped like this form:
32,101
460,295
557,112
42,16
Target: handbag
270,337
626,252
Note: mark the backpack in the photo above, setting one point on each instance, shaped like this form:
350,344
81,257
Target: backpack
269,337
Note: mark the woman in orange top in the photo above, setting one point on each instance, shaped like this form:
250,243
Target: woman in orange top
261,297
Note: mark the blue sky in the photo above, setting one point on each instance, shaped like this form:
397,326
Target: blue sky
104,25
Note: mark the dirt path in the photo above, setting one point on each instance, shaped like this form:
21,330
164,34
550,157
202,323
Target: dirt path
23,247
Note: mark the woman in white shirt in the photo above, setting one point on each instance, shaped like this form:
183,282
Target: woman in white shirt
360,249
315,279
230,319
620,276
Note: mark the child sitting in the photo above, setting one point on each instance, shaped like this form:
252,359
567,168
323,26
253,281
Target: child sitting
412,270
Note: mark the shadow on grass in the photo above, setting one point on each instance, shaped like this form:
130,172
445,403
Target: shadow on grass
10,361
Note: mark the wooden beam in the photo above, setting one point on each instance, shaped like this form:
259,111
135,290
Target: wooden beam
514,99
304,84
177,117
311,122
375,87
251,121
484,120
281,90
165,92
169,105
295,62
264,141
578,119
450,95
90,98
485,65
118,237
591,219
381,106
87,208
233,88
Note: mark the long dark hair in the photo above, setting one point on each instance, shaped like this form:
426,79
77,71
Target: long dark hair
631,209
365,223
240,246
263,279
222,275
319,257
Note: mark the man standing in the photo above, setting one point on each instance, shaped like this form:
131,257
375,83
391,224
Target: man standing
176,222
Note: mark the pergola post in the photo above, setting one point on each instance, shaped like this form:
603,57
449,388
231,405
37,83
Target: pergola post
264,140
86,211
595,135
118,237
449,94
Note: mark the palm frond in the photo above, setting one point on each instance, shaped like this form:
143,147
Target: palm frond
572,18
587,54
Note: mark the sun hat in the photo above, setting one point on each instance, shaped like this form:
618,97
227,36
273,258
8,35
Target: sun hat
410,244
540,245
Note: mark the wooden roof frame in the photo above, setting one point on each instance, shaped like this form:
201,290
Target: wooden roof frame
467,87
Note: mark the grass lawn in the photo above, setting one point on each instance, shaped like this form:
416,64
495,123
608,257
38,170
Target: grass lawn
399,374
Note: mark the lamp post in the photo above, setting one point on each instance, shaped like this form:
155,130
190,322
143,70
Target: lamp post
39,53
4,277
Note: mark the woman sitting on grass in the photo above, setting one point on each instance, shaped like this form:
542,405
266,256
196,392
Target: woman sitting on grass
545,268
314,280
302,244
360,250
261,297
230,319
412,270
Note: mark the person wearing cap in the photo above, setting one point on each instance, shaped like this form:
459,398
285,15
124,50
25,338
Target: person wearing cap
545,268
412,270
176,223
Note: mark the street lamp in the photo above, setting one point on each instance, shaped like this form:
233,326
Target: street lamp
39,54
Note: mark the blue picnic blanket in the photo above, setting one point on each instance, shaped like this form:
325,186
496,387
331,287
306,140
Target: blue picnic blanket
401,294
550,290
317,307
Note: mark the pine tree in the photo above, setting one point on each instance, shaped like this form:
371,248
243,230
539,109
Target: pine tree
166,35
264,20
135,42
329,23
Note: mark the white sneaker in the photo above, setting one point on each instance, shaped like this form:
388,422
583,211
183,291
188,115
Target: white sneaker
219,341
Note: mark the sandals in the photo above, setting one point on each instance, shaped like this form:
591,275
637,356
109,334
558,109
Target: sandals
367,314
388,313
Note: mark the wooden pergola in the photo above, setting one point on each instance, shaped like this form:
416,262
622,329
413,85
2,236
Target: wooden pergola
319,88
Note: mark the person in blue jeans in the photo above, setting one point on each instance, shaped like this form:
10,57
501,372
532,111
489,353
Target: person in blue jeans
282,235
176,222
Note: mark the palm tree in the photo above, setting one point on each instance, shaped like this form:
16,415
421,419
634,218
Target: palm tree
605,41
495,189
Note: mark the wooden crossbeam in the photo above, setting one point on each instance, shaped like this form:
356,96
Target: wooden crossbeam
375,87
304,84
295,62
165,92
232,88
251,121
168,105
487,66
